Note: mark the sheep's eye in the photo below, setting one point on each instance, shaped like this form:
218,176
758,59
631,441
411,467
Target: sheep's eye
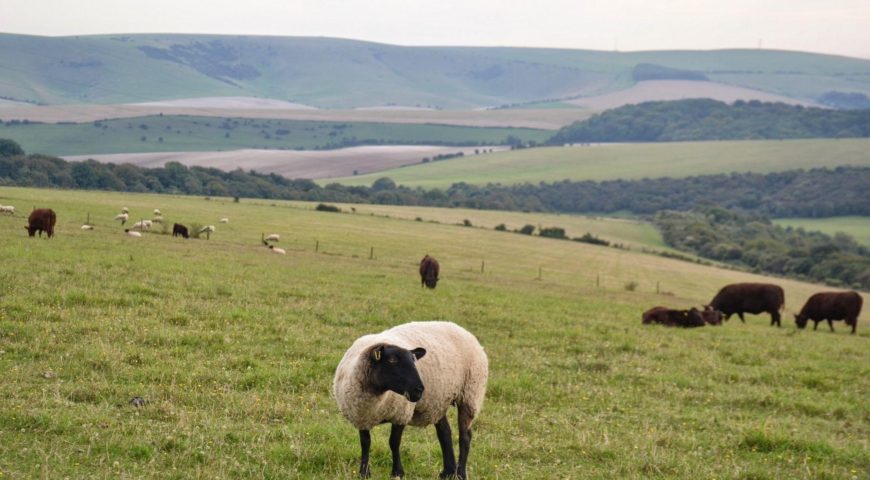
393,360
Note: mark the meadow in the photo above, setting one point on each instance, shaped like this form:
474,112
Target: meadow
233,350
628,161
164,133
857,227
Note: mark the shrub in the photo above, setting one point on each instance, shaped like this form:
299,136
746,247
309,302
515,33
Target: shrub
553,232
631,286
322,207
501,227
527,229
466,222
589,238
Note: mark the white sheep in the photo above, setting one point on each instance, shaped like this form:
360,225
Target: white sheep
87,227
10,209
277,250
125,210
225,220
272,238
132,233
207,228
122,217
157,211
410,375
143,224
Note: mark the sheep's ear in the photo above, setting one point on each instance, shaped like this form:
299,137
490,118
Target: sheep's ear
418,353
377,353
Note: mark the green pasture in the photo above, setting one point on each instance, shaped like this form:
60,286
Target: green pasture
233,349
857,227
628,161
167,133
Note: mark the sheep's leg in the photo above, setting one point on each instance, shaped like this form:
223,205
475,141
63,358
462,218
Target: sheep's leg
395,442
365,443
465,418
442,428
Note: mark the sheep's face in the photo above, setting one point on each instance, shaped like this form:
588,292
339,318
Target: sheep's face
394,369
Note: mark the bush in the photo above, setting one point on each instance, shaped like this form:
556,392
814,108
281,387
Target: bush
466,222
589,238
631,286
322,207
553,232
501,227
527,229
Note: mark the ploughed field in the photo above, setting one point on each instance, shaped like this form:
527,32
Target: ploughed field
232,349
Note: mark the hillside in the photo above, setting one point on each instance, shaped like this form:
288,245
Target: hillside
334,73
232,350
627,161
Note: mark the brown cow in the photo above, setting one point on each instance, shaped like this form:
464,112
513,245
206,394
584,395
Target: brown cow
674,318
41,220
752,298
831,306
429,272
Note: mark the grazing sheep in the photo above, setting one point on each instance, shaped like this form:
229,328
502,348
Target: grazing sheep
143,224
225,220
122,217
132,233
410,375
179,229
277,250
7,209
272,238
207,228
87,227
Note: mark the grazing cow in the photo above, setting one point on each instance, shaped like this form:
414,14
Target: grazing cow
429,272
752,298
831,306
674,318
41,220
179,229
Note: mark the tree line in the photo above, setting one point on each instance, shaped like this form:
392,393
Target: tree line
753,242
817,192
704,119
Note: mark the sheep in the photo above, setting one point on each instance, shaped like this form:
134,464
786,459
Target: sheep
272,238
122,217
277,250
87,227
410,375
157,212
207,228
10,209
125,210
132,233
225,220
143,224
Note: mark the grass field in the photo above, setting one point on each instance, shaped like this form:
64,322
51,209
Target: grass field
857,227
163,133
629,161
233,349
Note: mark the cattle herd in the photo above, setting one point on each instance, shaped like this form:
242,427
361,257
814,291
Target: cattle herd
755,298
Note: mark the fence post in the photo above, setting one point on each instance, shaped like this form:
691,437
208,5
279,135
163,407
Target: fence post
316,246
372,253
597,280
481,266
657,287
539,272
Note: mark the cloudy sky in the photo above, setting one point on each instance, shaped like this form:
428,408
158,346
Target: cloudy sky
827,26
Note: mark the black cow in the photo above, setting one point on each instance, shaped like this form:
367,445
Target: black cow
752,298
179,229
831,306
429,272
41,220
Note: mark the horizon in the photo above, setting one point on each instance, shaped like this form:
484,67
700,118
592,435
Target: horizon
837,28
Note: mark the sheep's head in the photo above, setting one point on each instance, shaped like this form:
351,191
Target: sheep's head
393,368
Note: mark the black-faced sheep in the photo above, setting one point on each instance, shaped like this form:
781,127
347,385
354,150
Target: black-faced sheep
410,375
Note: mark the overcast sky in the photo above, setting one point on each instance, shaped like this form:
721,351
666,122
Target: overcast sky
827,26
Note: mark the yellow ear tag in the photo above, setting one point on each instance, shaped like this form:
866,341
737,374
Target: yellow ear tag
377,355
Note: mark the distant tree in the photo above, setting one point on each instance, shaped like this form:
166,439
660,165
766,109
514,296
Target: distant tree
10,148
383,184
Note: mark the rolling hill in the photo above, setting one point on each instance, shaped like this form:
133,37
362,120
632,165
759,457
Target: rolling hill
627,161
335,73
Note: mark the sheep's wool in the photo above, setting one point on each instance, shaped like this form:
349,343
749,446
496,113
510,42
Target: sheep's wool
454,369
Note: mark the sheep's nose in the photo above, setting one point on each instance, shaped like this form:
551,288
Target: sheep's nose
416,394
